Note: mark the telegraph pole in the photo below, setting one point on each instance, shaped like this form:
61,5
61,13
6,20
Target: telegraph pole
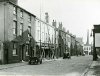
40,26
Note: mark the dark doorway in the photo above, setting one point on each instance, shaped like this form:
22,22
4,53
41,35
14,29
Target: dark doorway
6,56
22,47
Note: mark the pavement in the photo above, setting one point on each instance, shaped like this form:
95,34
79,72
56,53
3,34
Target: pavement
94,69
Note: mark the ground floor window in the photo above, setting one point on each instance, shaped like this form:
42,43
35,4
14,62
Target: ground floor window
14,49
27,50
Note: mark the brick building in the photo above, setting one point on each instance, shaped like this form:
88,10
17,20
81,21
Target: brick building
17,32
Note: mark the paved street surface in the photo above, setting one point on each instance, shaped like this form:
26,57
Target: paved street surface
76,66
94,69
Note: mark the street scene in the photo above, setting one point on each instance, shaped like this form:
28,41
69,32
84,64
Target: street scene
50,37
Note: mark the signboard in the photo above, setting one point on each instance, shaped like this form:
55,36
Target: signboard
97,39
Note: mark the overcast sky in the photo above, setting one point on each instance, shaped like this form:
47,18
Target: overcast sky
77,16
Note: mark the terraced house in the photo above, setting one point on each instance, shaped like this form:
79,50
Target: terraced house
22,34
17,32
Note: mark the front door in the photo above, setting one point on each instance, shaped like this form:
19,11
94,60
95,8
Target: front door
6,56
22,52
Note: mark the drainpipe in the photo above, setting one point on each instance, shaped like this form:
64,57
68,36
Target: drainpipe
4,36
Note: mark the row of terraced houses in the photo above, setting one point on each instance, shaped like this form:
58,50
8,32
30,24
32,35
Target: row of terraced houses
22,34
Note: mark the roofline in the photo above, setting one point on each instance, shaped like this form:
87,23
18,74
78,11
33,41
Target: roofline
38,18
21,8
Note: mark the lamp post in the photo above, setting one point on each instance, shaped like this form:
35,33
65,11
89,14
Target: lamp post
40,26
94,49
30,37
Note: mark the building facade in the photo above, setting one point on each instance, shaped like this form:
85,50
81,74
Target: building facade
22,34
17,29
87,47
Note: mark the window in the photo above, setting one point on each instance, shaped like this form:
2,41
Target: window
29,28
14,49
29,24
21,14
14,10
28,35
84,48
27,50
29,18
15,27
21,28
87,48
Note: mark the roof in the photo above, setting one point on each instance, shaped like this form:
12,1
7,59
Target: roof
21,8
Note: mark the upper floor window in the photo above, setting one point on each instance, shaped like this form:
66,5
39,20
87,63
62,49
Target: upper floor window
29,28
21,28
21,13
15,27
29,18
14,10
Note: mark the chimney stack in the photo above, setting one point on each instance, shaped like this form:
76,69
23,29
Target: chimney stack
46,17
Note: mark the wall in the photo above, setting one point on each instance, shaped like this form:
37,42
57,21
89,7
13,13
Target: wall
9,18
1,21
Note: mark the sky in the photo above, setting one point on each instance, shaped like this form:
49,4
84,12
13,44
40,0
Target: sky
77,16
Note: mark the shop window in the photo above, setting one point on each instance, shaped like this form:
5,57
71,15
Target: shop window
14,49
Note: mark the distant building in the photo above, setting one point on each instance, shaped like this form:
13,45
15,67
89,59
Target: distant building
87,46
81,44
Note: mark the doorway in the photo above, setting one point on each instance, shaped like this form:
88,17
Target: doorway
22,47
